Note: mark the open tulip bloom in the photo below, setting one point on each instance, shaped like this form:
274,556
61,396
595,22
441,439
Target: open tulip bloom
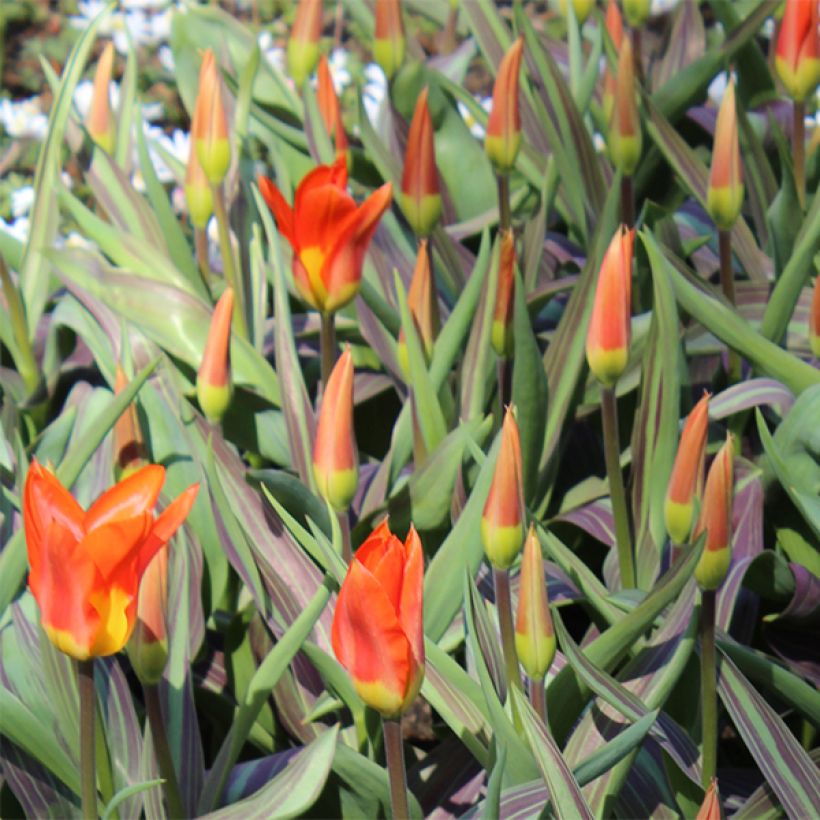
86,566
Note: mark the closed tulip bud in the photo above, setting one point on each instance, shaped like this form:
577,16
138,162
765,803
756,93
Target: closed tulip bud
797,53
582,8
388,41
814,319
335,457
624,137
534,635
329,107
615,29
303,45
724,196
685,480
420,198
609,331
502,522
423,304
637,12
148,646
503,137
209,128
129,448
377,632
501,334
100,120
710,808
198,193
213,380
716,519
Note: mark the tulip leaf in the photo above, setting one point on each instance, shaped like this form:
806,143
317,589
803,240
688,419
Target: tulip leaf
126,793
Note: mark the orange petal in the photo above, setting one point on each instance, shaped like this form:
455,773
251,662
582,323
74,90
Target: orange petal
166,524
131,497
282,212
115,541
411,614
320,216
334,175
47,502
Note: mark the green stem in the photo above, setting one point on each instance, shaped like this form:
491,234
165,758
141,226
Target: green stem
538,699
327,345
25,361
201,245
708,690
88,766
727,284
344,526
609,416
228,262
627,201
394,750
163,751
502,369
799,150
504,216
503,603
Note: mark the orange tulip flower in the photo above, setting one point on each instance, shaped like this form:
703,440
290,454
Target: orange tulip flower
502,527
100,121
814,319
503,138
86,566
686,474
716,519
213,380
423,303
329,234
797,53
377,631
389,43
209,127
335,457
303,45
329,107
501,334
609,329
420,196
724,196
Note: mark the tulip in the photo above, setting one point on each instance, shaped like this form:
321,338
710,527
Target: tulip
377,632
420,198
502,527
335,458
615,29
685,479
609,329
797,53
329,107
423,304
503,137
100,121
329,234
637,12
624,137
129,447
213,379
198,192
303,45
582,8
710,808
814,320
148,646
716,520
86,566
534,635
209,128
389,42
501,334
724,196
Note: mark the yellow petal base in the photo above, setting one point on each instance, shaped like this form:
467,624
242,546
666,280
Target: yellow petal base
724,205
148,658
501,544
200,201
607,365
389,54
337,486
799,83
625,152
214,156
712,567
535,652
213,400
422,214
502,152
678,519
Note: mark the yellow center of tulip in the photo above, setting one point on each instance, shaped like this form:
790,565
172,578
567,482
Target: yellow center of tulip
114,627
313,258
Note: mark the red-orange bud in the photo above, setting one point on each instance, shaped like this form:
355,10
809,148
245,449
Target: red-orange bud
710,808
609,331
625,137
100,121
615,29
303,45
503,137
501,334
148,645
502,521
724,196
209,128
329,106
420,197
423,303
213,381
814,319
335,457
388,37
797,53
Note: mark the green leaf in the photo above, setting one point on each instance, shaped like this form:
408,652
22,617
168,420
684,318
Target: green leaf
124,794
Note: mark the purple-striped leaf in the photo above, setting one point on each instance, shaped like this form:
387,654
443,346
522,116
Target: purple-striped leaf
751,393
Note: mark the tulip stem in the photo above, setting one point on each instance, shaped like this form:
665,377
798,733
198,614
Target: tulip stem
327,345
627,201
538,698
504,217
612,455
799,150
394,750
201,245
727,284
503,604
708,685
228,262
88,764
502,368
344,526
162,751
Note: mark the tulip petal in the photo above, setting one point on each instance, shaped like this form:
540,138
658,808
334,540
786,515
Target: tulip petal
410,607
282,212
387,567
45,502
167,523
323,176
133,496
328,209
109,545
